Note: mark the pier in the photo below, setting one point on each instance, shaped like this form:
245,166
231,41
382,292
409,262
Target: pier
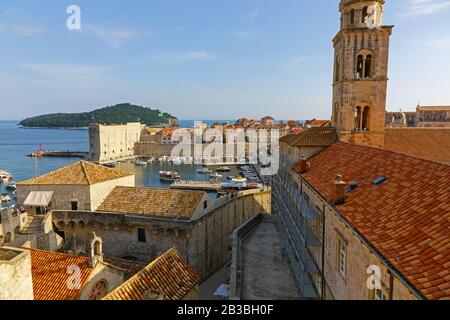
58,154
196,185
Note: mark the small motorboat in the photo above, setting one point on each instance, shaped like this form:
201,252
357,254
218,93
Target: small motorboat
151,160
223,169
140,163
110,164
216,176
204,171
231,177
11,185
5,198
170,176
239,180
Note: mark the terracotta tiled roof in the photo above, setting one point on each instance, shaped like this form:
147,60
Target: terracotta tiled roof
169,275
406,218
130,267
79,173
153,202
426,143
433,108
314,137
50,274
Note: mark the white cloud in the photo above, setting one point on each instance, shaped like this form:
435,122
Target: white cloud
241,34
115,38
300,60
65,72
414,8
437,43
20,30
186,56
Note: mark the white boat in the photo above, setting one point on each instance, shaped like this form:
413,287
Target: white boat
140,163
216,176
110,164
223,169
151,160
239,180
5,198
204,171
171,176
10,185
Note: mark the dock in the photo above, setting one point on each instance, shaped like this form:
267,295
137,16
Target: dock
196,185
58,154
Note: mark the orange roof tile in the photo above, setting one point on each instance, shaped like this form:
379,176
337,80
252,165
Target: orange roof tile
153,202
313,137
78,173
50,274
426,143
406,218
169,275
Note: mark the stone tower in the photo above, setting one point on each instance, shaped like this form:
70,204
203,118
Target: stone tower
361,73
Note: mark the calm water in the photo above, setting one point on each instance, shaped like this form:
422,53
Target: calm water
16,143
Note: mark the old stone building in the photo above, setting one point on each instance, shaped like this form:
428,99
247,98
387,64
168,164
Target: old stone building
433,116
79,186
113,142
361,73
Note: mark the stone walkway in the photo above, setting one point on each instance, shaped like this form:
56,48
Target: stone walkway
266,274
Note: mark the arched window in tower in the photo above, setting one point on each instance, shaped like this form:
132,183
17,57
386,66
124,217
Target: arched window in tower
368,66
337,69
364,14
365,119
359,67
352,17
358,118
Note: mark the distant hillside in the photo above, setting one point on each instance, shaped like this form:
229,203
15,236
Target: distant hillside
117,114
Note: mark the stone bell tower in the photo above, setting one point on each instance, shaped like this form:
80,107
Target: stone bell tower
361,52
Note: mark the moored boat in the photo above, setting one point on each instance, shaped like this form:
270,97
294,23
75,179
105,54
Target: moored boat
10,185
223,169
169,176
5,198
216,176
204,171
140,163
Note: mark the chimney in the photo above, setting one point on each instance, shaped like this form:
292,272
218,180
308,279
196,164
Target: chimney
338,196
304,165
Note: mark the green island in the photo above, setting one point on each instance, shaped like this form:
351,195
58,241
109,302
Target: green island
117,114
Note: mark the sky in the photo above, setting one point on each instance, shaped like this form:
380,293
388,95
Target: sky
206,59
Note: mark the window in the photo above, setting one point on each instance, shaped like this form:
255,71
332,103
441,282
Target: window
205,204
342,257
352,17
141,235
368,66
365,119
364,14
359,66
99,290
337,69
74,205
357,118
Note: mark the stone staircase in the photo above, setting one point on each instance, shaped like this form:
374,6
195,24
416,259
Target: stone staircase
33,225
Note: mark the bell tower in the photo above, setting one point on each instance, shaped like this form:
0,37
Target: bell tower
361,52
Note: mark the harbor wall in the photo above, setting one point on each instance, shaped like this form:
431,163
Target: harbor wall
204,241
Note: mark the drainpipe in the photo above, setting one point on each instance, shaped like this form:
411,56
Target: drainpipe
323,252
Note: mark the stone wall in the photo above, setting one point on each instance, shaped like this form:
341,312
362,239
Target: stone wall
62,197
99,191
113,142
15,274
203,242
